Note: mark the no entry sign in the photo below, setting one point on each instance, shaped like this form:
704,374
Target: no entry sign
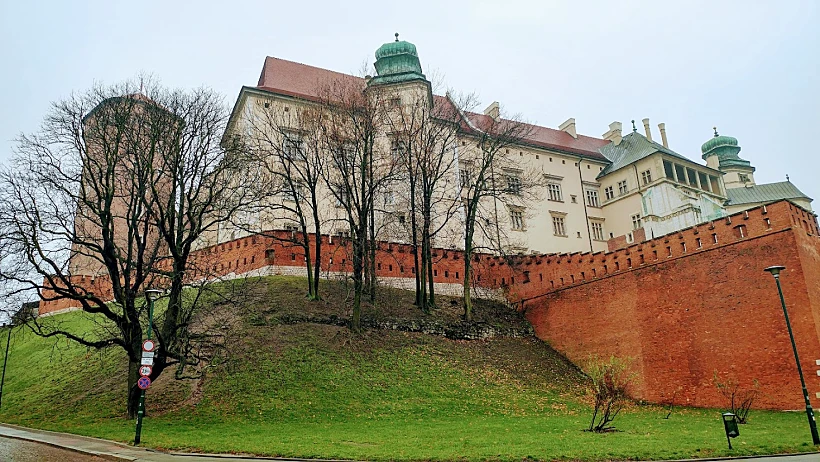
144,383
145,370
148,345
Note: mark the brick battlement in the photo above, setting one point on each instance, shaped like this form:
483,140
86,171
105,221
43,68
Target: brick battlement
531,276
259,255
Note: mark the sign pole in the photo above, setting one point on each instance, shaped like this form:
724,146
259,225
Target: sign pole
141,408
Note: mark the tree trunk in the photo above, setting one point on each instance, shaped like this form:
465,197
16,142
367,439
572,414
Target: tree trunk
468,269
133,389
317,264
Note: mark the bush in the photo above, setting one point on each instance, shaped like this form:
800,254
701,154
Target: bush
609,380
739,399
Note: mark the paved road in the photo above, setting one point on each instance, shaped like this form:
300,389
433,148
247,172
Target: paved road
12,450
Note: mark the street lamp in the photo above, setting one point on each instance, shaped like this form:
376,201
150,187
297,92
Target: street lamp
6,360
775,271
152,295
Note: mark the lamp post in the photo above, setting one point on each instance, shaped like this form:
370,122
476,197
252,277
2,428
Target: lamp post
151,295
775,271
6,360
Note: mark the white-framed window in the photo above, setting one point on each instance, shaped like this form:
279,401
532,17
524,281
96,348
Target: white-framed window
292,145
517,219
558,227
340,197
623,188
637,222
554,190
389,198
400,217
597,230
397,148
744,178
646,176
610,194
513,184
592,198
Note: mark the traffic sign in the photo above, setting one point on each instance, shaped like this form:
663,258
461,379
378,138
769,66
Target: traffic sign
144,383
147,354
148,345
147,361
145,370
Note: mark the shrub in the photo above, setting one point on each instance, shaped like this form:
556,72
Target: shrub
609,380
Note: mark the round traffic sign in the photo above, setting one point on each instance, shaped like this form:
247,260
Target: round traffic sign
148,345
144,383
145,370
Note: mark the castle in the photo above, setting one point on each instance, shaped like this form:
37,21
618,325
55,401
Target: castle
632,249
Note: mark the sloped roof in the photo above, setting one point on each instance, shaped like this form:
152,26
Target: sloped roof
770,192
632,148
550,138
303,81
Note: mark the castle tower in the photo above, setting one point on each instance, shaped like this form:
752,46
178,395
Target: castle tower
721,153
399,70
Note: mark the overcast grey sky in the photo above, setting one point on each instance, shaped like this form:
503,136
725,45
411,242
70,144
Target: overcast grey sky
749,67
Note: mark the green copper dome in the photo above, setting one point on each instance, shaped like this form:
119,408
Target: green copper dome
726,149
397,62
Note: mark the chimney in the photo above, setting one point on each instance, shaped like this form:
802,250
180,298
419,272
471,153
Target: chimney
646,129
614,133
662,128
493,110
569,127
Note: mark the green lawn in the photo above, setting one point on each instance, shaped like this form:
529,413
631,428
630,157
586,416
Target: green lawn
314,390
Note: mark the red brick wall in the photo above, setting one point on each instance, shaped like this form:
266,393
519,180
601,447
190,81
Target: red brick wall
690,316
252,253
685,306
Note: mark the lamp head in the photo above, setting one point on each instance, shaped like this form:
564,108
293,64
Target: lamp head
153,294
775,270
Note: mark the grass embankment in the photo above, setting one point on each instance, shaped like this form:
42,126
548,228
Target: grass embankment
314,390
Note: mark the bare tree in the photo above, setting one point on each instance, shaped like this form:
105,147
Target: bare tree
358,168
287,145
106,200
424,132
739,399
492,180
609,380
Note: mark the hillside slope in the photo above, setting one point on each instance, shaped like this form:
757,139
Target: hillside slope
295,382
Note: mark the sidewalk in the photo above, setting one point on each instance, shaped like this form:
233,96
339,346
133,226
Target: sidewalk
110,449
120,452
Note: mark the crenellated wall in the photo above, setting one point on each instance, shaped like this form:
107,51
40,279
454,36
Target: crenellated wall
258,255
686,307
689,306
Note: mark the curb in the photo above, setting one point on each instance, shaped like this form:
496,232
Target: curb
103,455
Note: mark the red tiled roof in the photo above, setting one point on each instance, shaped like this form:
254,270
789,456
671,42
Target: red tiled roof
552,139
303,81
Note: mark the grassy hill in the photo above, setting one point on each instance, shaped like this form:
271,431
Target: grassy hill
297,383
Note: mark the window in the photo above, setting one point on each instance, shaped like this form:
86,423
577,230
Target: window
513,184
622,188
692,176
397,149
592,198
400,218
646,176
389,198
669,170
573,198
597,230
713,180
681,173
517,219
636,221
704,182
609,192
292,145
744,178
554,190
558,228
